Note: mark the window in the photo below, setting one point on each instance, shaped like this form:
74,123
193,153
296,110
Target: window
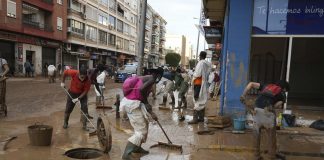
59,23
112,39
75,5
126,45
92,13
112,21
104,2
103,20
126,29
11,9
119,43
76,26
112,4
60,1
103,37
91,33
132,46
119,25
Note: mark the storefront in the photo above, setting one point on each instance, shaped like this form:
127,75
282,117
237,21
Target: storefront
276,39
18,48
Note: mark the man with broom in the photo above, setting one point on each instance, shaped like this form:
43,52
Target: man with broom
79,87
136,90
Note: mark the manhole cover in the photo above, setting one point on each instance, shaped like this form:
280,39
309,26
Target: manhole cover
84,153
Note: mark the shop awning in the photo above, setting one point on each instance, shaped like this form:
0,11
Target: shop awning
214,9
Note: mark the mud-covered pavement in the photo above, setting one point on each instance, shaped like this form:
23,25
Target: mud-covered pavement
33,101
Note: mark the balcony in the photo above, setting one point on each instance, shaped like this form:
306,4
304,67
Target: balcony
148,28
43,4
37,25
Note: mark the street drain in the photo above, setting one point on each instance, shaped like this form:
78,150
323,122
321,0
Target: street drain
84,153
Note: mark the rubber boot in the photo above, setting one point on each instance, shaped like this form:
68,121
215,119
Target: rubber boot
195,118
184,103
201,115
129,149
66,120
172,101
98,100
179,105
165,98
84,123
141,150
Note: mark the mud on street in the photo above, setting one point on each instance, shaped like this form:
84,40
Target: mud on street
33,101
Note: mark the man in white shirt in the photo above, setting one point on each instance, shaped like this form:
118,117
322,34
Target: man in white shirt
51,73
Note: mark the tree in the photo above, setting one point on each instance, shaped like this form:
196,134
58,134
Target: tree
172,59
192,63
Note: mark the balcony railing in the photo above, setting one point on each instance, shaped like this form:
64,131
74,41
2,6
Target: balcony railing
37,25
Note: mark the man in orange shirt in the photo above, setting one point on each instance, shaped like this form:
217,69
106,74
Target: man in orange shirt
79,87
199,81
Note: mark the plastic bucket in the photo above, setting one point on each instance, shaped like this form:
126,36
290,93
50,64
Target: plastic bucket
239,124
40,135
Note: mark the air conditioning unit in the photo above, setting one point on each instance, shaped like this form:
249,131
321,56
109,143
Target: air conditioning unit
69,29
84,16
68,46
110,27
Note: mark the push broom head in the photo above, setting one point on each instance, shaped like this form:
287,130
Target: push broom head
168,146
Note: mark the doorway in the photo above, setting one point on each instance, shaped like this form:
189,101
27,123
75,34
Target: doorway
30,56
306,72
268,59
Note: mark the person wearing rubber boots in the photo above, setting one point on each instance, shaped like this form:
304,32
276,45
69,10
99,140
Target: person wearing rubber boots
136,90
200,89
93,74
169,85
182,85
270,97
79,87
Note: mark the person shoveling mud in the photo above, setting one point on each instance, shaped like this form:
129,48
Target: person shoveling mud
136,90
79,87
271,96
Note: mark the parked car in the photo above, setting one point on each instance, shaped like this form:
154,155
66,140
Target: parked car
125,72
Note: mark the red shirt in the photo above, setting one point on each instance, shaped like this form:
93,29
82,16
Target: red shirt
77,86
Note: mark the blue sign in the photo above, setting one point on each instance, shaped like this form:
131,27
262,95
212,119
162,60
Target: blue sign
288,17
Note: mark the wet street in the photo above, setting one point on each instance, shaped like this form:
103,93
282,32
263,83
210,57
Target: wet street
33,101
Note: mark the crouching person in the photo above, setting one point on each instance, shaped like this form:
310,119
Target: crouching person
136,90
270,97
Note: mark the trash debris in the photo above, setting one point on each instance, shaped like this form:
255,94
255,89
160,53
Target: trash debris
319,124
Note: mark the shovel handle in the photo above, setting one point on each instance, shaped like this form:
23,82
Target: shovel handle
164,132
80,108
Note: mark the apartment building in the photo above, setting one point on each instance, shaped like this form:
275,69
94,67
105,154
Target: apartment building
101,31
32,30
154,50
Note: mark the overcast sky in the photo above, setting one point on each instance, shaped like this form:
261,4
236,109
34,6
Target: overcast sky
179,15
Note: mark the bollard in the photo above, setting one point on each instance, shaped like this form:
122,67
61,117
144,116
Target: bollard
117,103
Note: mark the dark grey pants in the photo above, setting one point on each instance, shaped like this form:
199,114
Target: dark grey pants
70,105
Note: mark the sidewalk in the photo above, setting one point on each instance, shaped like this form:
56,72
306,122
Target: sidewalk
221,145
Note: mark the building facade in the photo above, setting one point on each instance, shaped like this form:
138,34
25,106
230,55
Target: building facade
32,31
276,40
101,31
154,50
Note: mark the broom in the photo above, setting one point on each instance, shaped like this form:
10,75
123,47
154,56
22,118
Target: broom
169,144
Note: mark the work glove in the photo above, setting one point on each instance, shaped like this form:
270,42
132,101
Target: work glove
62,85
75,100
242,99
